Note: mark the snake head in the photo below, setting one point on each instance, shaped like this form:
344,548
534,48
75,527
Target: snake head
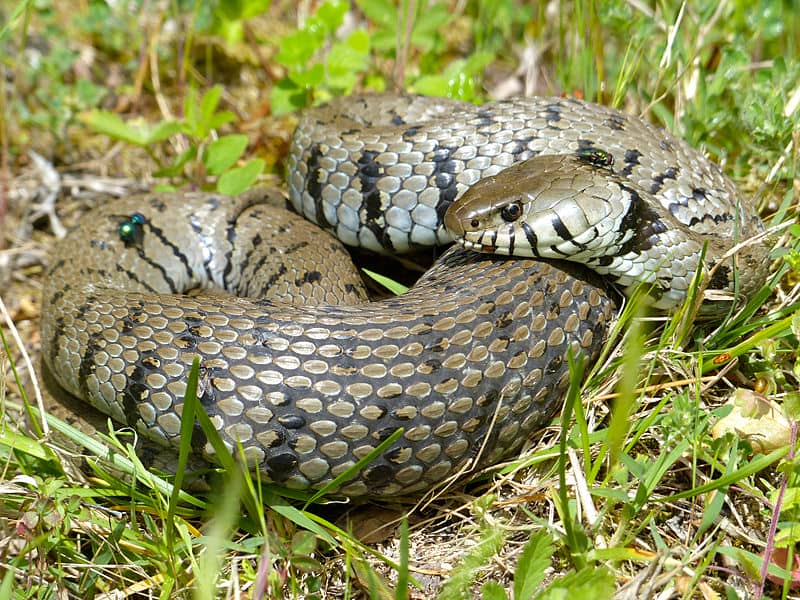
553,206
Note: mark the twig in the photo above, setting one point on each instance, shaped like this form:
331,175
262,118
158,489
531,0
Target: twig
28,364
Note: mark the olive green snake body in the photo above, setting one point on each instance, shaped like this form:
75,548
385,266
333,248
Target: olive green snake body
469,362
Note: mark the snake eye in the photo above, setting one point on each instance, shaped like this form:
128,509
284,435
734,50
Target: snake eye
475,223
511,212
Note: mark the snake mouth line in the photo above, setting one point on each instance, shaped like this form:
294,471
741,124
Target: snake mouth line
477,246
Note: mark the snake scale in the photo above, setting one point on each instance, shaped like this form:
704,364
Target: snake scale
308,377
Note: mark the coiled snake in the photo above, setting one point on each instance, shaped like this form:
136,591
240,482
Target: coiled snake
469,362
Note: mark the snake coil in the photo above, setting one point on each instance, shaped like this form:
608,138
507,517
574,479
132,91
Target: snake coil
304,374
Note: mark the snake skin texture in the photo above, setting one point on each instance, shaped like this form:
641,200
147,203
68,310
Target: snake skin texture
297,369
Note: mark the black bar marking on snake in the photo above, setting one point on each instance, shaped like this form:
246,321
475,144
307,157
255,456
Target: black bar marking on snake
643,221
280,466
631,162
230,235
295,247
157,204
309,277
86,365
411,132
369,171
59,329
273,279
380,233
249,264
604,261
377,474
658,179
397,454
554,365
721,277
157,265
441,209
511,236
552,113
533,241
292,421
521,150
256,266
615,122
313,185
279,439
444,169
504,320
560,228
60,332
134,277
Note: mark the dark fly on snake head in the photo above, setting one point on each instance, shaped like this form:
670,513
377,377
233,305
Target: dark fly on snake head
596,157
131,231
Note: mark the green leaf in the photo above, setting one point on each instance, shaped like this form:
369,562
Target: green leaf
190,112
88,93
231,30
286,96
402,569
427,25
308,78
382,12
219,119
236,10
253,8
240,179
209,103
358,41
431,85
346,59
592,582
491,590
11,23
306,564
463,575
223,153
296,516
388,283
384,40
298,48
533,562
303,543
331,14
162,131
11,440
177,165
112,125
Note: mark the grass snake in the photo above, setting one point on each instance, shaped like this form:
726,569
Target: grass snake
305,374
